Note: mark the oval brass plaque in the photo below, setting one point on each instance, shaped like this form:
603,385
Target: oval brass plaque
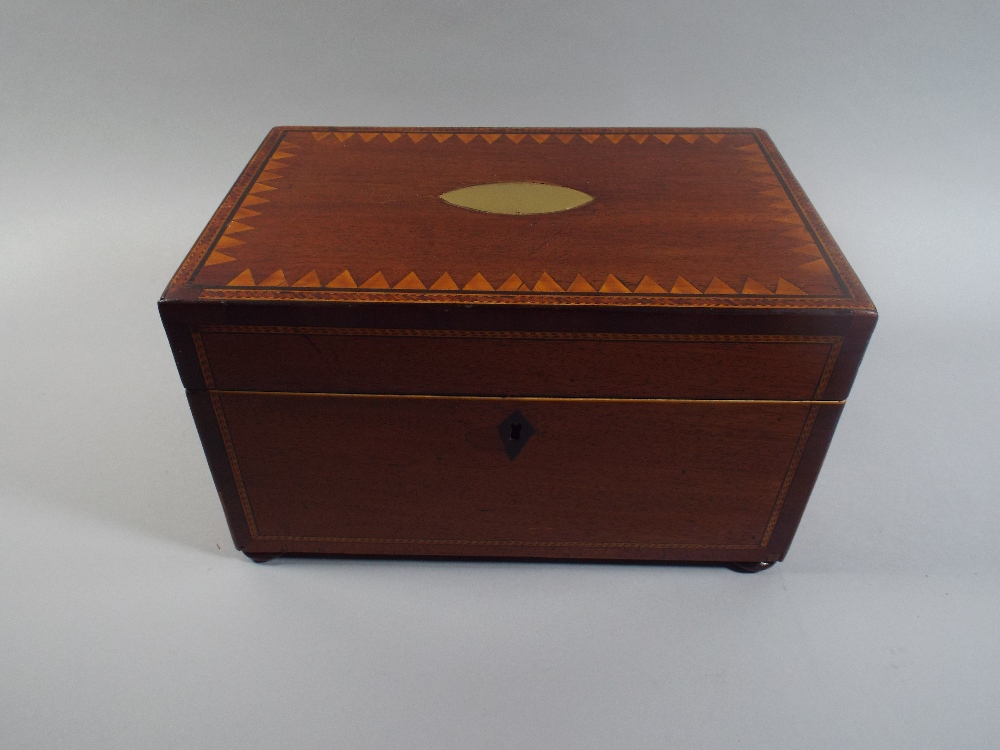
517,198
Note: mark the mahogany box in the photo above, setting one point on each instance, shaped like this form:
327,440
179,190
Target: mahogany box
628,344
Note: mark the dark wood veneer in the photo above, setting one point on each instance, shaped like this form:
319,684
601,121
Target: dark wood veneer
682,346
543,364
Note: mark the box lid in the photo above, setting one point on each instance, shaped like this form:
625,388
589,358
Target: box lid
626,217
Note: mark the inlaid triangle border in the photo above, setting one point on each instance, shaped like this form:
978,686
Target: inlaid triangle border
276,144
545,284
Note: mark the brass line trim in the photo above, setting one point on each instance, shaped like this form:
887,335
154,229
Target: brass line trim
584,399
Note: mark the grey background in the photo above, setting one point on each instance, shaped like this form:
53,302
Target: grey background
126,618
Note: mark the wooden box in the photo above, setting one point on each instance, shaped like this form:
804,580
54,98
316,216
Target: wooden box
626,344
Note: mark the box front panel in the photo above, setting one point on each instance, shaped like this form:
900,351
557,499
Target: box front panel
520,363
589,478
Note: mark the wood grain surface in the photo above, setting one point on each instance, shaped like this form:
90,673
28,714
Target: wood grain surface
681,346
517,363
429,475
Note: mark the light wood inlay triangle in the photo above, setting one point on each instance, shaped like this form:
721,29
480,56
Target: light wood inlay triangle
376,281
787,287
718,286
752,286
343,281
275,279
580,284
612,285
547,284
683,286
444,283
410,281
216,258
310,279
478,283
648,286
244,279
511,285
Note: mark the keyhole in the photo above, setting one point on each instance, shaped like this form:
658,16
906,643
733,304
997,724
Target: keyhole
514,432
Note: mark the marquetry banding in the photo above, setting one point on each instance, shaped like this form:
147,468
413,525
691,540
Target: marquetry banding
604,285
553,138
206,368
560,300
591,336
220,418
793,465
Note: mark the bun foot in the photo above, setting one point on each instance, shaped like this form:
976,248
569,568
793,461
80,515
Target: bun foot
750,567
261,557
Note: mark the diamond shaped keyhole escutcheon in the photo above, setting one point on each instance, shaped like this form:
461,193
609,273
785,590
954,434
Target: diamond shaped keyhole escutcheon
515,431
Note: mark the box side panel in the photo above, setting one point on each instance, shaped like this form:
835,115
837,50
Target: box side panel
857,332
190,361
801,484
215,441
